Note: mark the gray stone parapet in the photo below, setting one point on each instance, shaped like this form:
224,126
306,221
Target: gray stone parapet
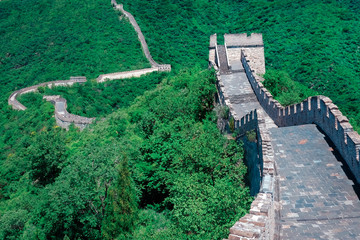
127,74
252,45
319,110
243,40
63,118
261,222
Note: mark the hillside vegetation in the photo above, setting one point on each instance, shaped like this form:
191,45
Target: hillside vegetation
315,43
154,166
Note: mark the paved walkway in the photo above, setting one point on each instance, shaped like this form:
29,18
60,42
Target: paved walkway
241,94
318,200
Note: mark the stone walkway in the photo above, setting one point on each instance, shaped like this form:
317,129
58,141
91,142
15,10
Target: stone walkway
318,199
241,94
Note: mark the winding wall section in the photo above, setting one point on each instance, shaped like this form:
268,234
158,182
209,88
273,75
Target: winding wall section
136,73
63,118
12,101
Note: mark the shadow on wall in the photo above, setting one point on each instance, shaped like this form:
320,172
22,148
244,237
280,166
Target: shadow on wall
345,167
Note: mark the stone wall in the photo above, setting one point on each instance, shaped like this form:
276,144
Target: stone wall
252,46
319,110
235,43
12,101
63,118
128,74
212,52
141,37
261,222
135,73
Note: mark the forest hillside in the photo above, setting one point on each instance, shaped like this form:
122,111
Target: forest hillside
154,165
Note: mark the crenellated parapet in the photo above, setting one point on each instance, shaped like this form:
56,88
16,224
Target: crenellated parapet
261,221
319,110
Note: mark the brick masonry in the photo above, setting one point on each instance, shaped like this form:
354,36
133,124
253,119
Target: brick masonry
317,110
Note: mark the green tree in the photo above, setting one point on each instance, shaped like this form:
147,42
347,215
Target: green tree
121,209
46,154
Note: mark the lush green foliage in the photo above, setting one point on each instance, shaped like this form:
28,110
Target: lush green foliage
180,163
163,153
284,89
314,42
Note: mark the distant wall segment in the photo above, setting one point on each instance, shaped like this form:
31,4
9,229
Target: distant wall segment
63,118
160,67
139,72
12,101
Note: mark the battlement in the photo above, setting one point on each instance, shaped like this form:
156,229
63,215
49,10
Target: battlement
319,110
78,79
243,40
164,68
252,45
263,221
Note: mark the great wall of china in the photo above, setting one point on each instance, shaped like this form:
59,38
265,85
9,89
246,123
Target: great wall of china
303,150
287,206
65,119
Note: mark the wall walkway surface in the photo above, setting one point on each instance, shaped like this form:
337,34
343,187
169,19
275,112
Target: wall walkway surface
288,206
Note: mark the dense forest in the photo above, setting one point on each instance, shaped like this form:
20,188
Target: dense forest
154,165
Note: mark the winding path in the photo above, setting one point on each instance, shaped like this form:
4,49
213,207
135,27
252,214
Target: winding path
63,118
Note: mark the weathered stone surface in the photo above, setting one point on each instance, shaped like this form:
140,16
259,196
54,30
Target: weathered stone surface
318,201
